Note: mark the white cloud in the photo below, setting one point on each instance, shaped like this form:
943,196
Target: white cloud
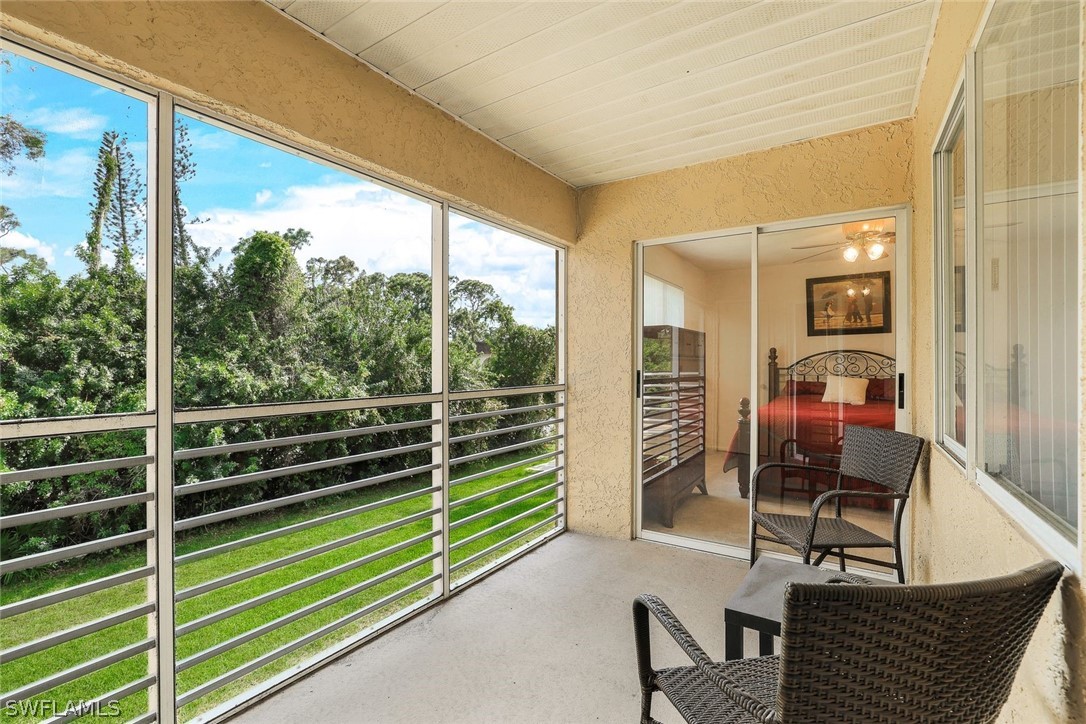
18,240
520,270
390,233
386,232
81,123
263,196
69,174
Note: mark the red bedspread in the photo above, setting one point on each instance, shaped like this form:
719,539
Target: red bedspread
815,425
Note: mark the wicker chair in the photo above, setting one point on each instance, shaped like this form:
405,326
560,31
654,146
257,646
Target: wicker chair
943,653
884,457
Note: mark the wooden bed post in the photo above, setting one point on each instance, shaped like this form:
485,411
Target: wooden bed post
774,375
744,447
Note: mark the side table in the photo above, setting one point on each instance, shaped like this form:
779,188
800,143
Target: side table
759,602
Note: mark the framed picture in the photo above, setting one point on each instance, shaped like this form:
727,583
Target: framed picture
849,304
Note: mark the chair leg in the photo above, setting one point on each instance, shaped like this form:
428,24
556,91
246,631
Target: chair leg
841,552
753,541
646,705
899,566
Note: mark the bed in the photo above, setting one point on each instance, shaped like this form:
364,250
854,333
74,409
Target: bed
795,425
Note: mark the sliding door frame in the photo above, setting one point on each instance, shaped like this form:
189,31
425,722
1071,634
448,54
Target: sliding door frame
902,354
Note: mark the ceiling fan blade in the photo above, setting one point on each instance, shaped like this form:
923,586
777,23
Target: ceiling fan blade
812,256
819,246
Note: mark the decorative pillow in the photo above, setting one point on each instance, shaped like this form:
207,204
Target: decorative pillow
804,387
881,389
846,390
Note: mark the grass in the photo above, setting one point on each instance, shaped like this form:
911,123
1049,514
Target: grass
43,622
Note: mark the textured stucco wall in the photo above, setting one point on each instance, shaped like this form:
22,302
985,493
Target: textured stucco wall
866,168
957,532
248,61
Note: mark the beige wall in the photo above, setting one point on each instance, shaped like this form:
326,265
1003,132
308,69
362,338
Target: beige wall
250,62
957,531
862,169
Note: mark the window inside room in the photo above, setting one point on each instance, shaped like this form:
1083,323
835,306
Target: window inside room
664,303
1028,85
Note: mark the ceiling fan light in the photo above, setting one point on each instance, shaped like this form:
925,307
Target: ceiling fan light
875,250
852,253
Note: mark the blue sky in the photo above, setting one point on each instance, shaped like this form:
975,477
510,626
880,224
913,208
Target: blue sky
242,186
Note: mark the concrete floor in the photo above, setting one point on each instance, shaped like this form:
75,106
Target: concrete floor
546,639
723,515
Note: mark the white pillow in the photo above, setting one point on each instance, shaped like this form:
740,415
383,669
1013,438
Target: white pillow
846,390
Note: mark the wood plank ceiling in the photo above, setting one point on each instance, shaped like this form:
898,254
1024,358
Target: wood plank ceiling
598,91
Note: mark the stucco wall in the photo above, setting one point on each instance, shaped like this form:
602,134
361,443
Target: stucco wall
248,61
866,168
957,531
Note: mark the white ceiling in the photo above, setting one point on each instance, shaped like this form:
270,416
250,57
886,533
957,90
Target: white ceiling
599,91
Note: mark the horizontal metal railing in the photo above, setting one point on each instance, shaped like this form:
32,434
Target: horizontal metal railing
502,450
12,430
225,613
297,615
273,473
276,563
505,430
200,452
504,524
504,535
311,407
500,544
65,511
59,554
261,661
298,527
502,506
90,706
504,468
72,592
46,642
339,488
502,488
63,471
75,672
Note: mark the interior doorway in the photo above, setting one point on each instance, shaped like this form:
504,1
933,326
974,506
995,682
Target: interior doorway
738,335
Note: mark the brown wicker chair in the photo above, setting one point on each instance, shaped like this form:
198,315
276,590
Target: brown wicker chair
944,653
883,457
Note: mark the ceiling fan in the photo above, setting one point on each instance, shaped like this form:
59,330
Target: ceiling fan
867,237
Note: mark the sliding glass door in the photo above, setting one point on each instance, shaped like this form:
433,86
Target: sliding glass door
826,358
759,346
694,339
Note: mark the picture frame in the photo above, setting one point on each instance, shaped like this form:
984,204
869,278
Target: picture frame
849,304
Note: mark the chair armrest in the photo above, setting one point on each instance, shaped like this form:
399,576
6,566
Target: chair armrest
647,603
836,495
845,577
765,466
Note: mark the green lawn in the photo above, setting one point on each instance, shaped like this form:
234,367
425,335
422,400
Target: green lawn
43,622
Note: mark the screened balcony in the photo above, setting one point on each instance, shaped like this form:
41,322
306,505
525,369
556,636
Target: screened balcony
318,335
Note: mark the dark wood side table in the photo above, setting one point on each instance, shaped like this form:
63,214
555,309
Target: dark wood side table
759,603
